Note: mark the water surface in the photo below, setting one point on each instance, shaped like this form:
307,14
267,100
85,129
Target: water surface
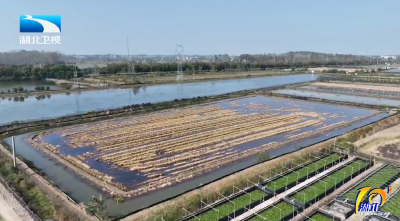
63,104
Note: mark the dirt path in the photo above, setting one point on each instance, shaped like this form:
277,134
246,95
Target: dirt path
384,135
358,86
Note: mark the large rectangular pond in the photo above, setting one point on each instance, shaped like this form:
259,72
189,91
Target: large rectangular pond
340,97
80,190
57,105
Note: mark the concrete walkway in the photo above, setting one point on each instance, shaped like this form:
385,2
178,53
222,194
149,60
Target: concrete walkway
290,191
336,193
7,212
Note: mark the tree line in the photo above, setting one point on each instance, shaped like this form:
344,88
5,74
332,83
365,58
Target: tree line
30,72
64,71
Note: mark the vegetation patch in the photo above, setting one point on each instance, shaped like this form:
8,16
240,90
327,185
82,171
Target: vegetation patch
379,179
302,172
392,205
319,217
231,206
38,202
337,178
275,213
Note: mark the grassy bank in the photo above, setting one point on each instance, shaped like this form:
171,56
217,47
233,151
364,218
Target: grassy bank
172,210
38,202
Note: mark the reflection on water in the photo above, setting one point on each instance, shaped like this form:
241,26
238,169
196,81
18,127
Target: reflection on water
63,104
28,85
81,191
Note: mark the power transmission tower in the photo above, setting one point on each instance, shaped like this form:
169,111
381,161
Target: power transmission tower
129,58
179,55
76,85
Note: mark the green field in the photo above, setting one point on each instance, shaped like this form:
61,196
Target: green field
392,205
303,172
375,181
229,207
275,213
318,217
310,193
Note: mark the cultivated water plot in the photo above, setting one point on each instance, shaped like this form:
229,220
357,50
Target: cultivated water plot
241,201
136,155
339,97
380,179
318,216
387,91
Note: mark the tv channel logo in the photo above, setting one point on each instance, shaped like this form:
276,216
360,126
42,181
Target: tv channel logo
40,23
370,207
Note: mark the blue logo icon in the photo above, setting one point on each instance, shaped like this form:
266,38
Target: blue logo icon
40,23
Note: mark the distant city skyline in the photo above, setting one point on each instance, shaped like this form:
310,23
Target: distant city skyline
155,27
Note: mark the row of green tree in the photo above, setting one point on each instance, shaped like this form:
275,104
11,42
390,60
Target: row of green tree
62,71
22,72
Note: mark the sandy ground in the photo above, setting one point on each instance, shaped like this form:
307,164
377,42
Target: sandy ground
7,212
358,86
378,137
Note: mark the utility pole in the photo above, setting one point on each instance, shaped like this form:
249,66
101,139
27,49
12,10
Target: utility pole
13,148
75,76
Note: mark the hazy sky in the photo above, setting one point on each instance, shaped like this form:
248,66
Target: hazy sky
211,26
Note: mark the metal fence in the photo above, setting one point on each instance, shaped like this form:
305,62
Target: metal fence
18,205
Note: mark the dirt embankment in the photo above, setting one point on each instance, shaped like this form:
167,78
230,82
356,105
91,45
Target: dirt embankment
384,144
221,185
